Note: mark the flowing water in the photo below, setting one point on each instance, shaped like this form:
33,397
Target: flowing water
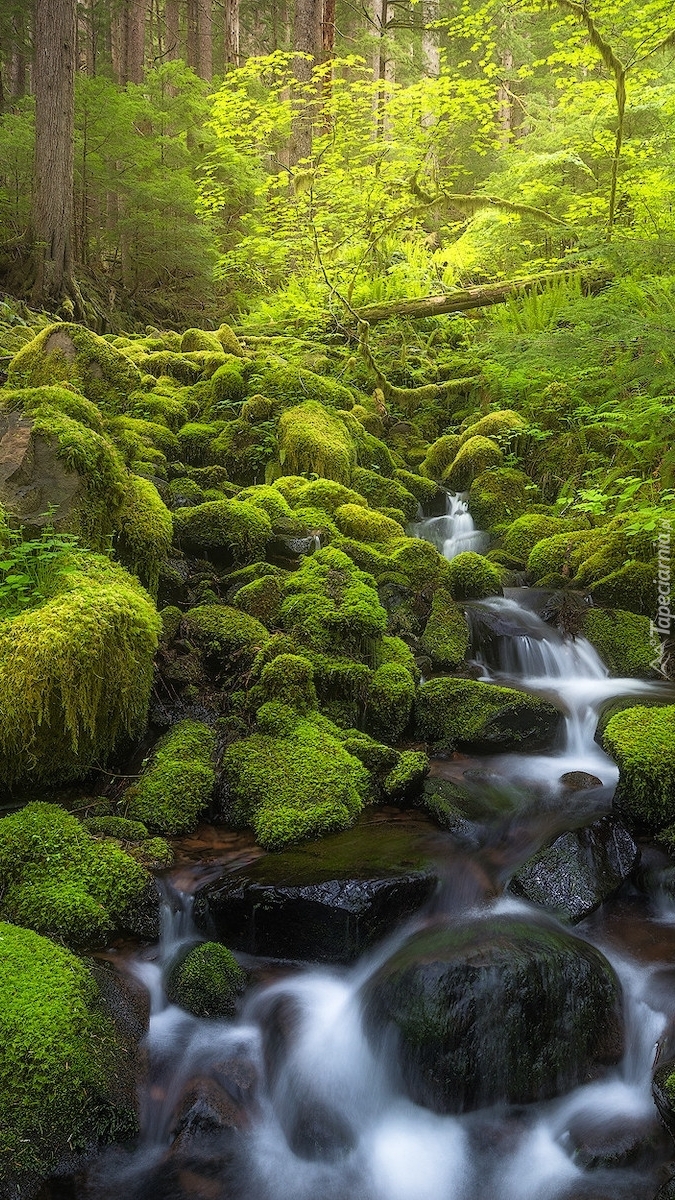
321,1114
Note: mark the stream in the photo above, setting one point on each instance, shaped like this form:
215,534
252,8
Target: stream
319,1109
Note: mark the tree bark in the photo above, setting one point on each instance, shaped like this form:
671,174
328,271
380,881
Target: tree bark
465,299
55,35
306,41
135,40
205,39
193,35
232,33
172,29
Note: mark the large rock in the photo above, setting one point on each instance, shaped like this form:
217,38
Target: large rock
494,1010
470,715
326,901
580,870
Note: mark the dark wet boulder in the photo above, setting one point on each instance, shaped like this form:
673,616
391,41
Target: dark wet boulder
580,781
494,1010
326,901
468,715
579,870
663,1091
667,1191
594,1140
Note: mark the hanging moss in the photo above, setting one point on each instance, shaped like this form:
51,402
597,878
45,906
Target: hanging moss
225,634
464,713
61,1065
69,353
440,455
206,981
622,639
471,577
365,525
446,634
315,442
62,399
177,787
642,742
75,674
60,881
144,531
391,694
236,528
474,456
385,493
295,780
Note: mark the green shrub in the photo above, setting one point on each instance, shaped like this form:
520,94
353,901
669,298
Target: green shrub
176,788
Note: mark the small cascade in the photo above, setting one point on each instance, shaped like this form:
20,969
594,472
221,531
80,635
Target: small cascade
454,531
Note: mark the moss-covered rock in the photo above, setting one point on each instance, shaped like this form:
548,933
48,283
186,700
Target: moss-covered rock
245,450
622,639
231,637
314,441
471,577
62,1067
325,494
289,679
233,529
381,492
69,353
144,531
174,365
294,779
474,456
63,399
469,715
331,604
424,490
119,828
642,742
502,425
391,695
195,440
58,880
632,587
206,981
228,385
526,531
446,634
176,788
440,455
269,499
229,340
420,562
364,525
76,673
499,496
200,339
262,599
291,385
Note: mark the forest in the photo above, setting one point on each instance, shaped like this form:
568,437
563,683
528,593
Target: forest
337,648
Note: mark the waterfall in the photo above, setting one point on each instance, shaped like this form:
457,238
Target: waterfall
454,531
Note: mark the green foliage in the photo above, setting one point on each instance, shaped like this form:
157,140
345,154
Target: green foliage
206,981
59,881
176,788
55,1043
30,570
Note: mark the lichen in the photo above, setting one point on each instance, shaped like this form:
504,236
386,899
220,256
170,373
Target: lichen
176,788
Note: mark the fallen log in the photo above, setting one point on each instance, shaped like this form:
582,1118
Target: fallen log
481,296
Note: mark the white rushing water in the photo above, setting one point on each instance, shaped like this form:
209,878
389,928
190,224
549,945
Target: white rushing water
454,531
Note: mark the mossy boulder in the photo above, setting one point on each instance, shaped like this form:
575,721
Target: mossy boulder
194,442
229,340
381,492
144,530
244,450
294,779
469,715
200,339
632,587
66,1079
75,673
314,441
558,999
364,525
63,398
226,529
391,694
176,789
474,456
69,353
424,490
622,639
502,425
261,599
446,633
440,456
499,496
289,679
226,635
330,603
58,880
471,576
206,981
325,494
290,385
641,740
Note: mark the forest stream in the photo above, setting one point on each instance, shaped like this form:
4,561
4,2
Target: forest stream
306,1093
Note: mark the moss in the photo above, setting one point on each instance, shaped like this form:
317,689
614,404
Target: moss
501,425
176,788
372,422
60,881
185,493
384,493
407,777
474,456
366,557
75,674
228,384
63,399
295,783
269,499
499,496
471,577
446,635
154,853
59,1059
147,433
371,453
245,450
419,561
391,694
440,455
225,634
116,827
144,531
331,603
559,553
424,490
206,981
69,353
289,678
200,339
195,441
365,525
262,599
395,650
293,385
642,742
467,714
176,366
632,587
161,409
315,442
229,340
235,528
257,408
622,640
326,494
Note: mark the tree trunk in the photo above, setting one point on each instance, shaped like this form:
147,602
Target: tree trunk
135,40
431,51
205,39
306,40
172,29
505,99
193,35
465,299
55,33
232,33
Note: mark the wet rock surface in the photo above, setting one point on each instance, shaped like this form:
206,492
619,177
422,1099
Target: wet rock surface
580,870
326,901
435,1000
